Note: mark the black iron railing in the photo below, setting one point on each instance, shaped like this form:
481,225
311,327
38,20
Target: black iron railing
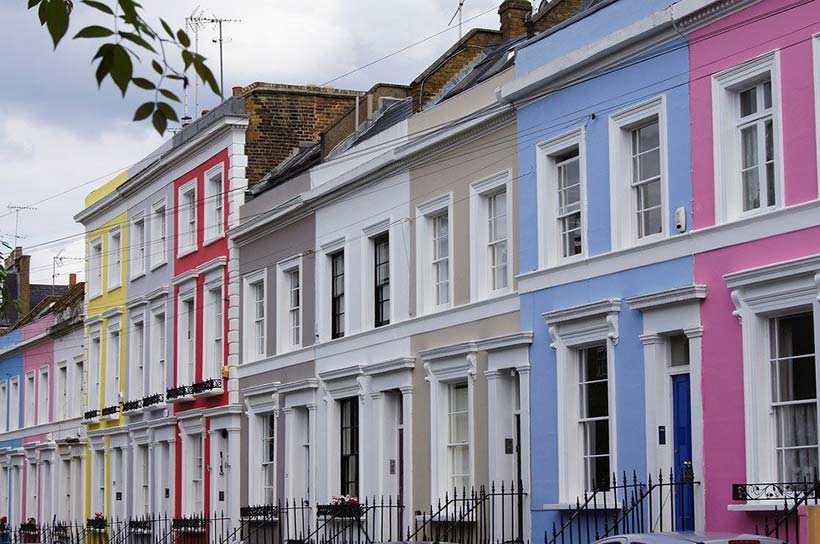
131,405
783,522
152,400
628,505
176,393
207,386
110,411
91,414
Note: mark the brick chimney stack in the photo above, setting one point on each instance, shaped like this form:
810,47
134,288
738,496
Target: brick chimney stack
514,15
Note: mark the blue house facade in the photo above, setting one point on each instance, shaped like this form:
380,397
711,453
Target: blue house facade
605,191
11,380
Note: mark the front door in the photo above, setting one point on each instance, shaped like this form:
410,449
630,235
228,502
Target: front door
682,422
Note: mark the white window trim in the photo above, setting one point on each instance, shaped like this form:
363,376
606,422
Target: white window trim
622,201
325,304
480,280
112,327
135,270
815,45
62,411
572,329
727,179
182,218
158,256
29,404
425,277
186,296
248,315
137,319
94,371
114,282
43,401
444,366
759,294
14,407
159,383
214,227
95,276
259,406
211,284
549,237
283,332
4,404
368,303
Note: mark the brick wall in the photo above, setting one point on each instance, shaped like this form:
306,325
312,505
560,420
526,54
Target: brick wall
552,14
281,116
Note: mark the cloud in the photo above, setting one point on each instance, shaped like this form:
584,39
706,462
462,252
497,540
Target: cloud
58,130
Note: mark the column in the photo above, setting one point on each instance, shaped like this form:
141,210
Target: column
372,450
313,431
695,336
290,454
407,419
495,446
656,389
233,461
524,411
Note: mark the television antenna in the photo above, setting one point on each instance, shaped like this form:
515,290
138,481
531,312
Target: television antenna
16,211
218,22
458,13
58,261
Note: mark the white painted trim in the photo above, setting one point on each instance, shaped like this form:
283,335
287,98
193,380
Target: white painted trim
782,221
815,47
665,298
425,278
109,254
208,204
133,274
283,333
247,313
726,143
183,191
324,271
158,258
548,236
622,203
480,279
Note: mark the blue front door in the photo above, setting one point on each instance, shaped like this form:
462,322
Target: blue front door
682,415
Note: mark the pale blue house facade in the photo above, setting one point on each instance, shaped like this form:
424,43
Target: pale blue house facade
11,371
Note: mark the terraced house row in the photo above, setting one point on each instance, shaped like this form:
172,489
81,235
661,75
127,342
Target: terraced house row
564,282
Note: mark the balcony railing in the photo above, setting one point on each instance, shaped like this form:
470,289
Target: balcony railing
786,498
212,386
132,405
152,400
91,414
183,392
110,411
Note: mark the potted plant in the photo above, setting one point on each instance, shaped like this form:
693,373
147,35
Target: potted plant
341,506
97,523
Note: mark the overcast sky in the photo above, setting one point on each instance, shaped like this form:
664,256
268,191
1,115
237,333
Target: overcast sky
58,131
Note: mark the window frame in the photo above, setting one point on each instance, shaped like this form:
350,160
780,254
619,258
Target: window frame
136,356
481,286
159,351
214,328
186,373
4,404
61,388
159,234
426,278
95,360
338,300
139,245
249,283
623,207
15,390
345,479
30,399
378,288
95,273
284,332
269,449
726,139
214,224
550,244
43,397
188,242
114,280
453,447
112,329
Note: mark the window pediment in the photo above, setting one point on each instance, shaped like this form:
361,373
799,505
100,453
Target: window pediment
585,324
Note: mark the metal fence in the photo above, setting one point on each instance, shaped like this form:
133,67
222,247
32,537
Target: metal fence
484,515
628,505
787,498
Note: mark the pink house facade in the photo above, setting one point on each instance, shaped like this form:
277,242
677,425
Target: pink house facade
754,107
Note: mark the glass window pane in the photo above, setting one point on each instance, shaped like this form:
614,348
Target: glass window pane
748,137
650,164
748,102
751,190
767,95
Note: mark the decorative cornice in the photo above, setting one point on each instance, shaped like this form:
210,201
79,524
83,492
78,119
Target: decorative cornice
188,275
213,264
341,373
447,352
159,292
772,272
300,385
519,339
584,311
392,365
705,15
112,313
677,295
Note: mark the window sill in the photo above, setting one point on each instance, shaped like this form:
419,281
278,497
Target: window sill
112,288
137,276
769,506
94,296
160,264
185,252
566,506
213,239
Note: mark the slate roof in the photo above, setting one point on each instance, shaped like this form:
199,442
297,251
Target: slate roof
304,157
389,116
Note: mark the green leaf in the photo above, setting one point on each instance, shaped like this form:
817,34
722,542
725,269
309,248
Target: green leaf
144,111
206,76
167,111
32,3
103,69
187,58
121,68
94,31
169,95
159,121
143,83
167,28
157,67
99,6
57,22
183,38
42,11
129,11
139,40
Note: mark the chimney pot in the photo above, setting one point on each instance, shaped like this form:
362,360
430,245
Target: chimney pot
72,279
514,14
236,91
204,113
